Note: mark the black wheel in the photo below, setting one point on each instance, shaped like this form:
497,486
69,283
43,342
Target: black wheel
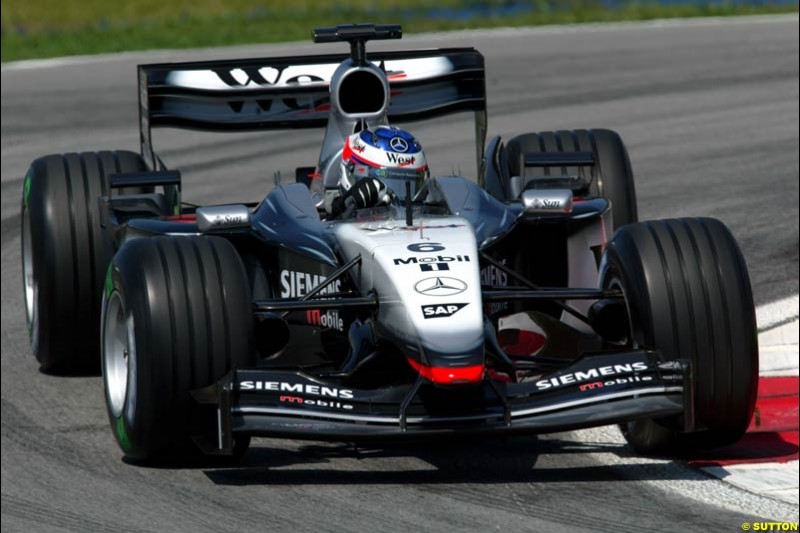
688,296
176,317
611,177
65,253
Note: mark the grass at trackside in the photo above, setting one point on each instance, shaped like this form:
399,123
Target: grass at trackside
50,28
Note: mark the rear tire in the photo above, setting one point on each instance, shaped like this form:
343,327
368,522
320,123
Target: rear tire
688,296
65,253
177,317
612,174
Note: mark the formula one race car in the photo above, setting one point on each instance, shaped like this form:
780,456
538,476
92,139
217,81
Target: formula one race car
528,301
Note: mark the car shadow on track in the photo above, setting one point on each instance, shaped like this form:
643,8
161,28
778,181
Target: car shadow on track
484,462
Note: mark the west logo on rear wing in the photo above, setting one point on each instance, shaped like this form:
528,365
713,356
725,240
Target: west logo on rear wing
293,92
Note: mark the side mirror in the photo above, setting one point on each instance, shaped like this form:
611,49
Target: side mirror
222,217
547,201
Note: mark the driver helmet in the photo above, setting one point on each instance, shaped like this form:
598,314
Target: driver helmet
387,153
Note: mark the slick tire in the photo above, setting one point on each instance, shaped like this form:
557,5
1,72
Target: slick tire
176,317
65,253
688,296
613,176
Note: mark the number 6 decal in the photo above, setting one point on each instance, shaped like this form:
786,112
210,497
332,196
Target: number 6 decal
426,247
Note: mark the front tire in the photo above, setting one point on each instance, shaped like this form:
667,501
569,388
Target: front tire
176,317
688,296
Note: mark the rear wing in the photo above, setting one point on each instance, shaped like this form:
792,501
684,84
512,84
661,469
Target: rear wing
293,92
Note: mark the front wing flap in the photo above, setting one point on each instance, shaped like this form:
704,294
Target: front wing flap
595,390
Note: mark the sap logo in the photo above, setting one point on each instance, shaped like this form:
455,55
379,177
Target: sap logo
443,310
402,160
298,284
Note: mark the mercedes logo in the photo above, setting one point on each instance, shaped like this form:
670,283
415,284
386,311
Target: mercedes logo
440,286
398,144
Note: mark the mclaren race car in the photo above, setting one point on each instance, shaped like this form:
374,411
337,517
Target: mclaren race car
528,299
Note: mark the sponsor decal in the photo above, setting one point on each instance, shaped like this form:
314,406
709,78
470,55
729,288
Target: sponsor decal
440,286
545,203
359,146
297,284
590,374
413,228
398,144
315,403
619,381
297,388
432,263
442,310
329,319
258,77
401,160
494,277
425,247
225,220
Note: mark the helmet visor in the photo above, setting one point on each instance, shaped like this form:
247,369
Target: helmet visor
395,179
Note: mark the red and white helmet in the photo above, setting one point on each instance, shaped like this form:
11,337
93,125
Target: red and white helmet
387,153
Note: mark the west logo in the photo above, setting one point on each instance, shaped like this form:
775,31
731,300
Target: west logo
441,310
401,160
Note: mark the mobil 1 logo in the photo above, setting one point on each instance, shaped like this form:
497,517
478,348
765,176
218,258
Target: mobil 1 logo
441,310
431,263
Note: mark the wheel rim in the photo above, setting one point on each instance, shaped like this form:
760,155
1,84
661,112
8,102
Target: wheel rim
28,277
119,353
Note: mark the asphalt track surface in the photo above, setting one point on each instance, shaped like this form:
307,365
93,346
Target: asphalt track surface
709,111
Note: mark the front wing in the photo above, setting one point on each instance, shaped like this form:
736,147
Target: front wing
594,390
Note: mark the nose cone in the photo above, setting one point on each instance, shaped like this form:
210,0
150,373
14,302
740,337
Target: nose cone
449,369
428,284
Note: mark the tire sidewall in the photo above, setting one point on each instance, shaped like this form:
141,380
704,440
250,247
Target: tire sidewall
42,242
136,429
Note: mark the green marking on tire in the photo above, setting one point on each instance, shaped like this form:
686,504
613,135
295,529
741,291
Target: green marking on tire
176,200
109,286
124,441
26,189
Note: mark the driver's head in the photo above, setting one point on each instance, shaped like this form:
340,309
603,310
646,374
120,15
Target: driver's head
387,153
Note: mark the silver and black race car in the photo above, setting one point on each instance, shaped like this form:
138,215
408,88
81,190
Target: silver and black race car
527,301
